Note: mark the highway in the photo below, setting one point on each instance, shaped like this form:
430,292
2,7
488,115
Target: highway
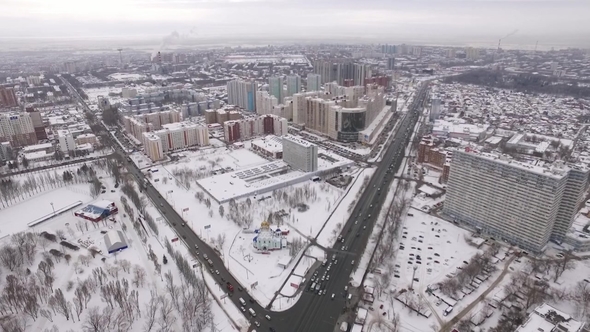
312,313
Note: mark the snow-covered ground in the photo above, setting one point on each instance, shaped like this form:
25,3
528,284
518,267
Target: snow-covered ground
305,208
76,273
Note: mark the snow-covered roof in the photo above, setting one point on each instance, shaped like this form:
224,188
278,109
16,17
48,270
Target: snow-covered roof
115,240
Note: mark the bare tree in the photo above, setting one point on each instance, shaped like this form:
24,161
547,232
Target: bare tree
10,257
95,321
166,318
151,311
138,276
125,265
59,304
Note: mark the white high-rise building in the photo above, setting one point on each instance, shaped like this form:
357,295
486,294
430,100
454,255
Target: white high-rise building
522,203
314,82
361,71
152,145
17,128
300,154
275,88
66,141
265,102
242,94
293,85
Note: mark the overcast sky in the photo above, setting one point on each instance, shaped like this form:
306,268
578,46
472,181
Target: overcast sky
374,20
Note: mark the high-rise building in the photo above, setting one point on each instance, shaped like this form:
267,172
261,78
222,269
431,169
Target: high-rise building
275,88
17,128
314,82
152,145
254,126
299,154
434,109
390,63
66,141
37,123
265,102
334,71
8,97
522,203
361,71
472,53
5,152
138,124
242,94
293,85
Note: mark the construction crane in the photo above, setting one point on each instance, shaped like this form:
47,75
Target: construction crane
508,35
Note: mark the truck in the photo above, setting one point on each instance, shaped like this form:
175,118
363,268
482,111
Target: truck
230,287
145,184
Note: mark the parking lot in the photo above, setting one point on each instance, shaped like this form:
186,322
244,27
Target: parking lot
428,249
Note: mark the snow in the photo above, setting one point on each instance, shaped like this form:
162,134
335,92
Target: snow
87,234
15,218
247,264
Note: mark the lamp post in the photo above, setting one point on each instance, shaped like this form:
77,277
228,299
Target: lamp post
53,208
413,275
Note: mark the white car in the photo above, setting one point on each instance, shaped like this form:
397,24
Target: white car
267,317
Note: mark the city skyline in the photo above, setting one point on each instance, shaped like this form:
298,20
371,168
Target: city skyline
447,21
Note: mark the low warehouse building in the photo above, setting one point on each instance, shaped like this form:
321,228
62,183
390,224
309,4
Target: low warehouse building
115,241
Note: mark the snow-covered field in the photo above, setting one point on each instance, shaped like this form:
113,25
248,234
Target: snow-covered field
302,209
74,289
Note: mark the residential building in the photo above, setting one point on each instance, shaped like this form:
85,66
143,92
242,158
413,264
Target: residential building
5,152
152,145
293,85
314,82
8,97
138,124
300,154
182,135
275,88
546,318
265,102
254,126
337,70
66,141
242,94
434,109
86,139
390,63
526,204
17,128
472,53
40,132
361,71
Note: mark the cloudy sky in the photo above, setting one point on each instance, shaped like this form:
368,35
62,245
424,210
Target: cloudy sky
373,20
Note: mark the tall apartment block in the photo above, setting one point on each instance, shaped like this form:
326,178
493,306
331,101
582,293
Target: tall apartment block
8,97
138,124
242,94
293,85
314,82
265,102
299,154
521,203
254,126
275,88
390,63
17,128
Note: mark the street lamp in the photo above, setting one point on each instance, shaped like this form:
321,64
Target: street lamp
53,208
413,275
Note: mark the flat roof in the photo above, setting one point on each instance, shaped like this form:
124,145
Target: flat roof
35,147
269,143
298,141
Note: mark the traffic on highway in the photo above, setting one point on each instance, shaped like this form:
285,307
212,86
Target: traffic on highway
327,293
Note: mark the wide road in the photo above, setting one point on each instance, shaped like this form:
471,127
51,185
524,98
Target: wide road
312,313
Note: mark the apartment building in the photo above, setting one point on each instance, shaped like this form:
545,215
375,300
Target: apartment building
139,124
18,129
8,97
254,126
265,102
314,82
66,141
242,94
293,85
524,204
174,136
299,154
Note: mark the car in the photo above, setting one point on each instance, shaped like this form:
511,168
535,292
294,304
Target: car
272,329
335,262
436,254
267,317
465,262
182,224
256,323
162,204
196,247
217,272
240,289
352,263
243,309
251,300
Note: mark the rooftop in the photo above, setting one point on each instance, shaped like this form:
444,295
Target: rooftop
298,141
269,143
